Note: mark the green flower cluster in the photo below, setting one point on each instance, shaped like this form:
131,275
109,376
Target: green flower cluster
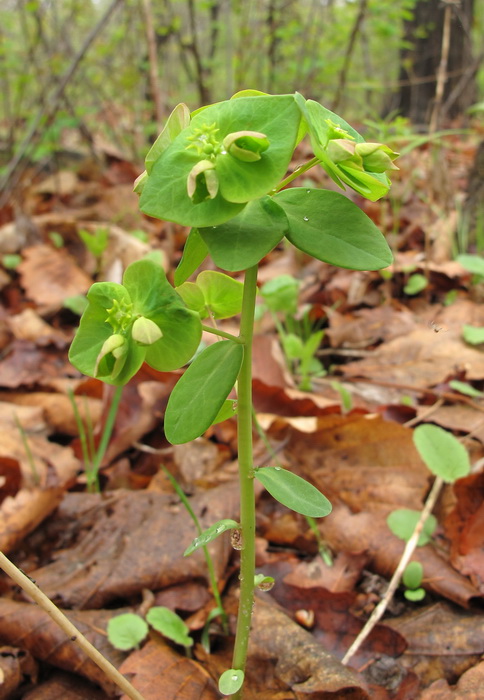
143,319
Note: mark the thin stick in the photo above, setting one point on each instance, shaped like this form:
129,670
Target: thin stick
66,625
395,580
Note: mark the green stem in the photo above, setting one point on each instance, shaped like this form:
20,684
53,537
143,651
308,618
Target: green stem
222,334
92,476
246,477
299,171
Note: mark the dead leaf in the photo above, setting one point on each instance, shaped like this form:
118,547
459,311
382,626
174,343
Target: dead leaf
15,666
28,626
28,325
465,528
21,514
181,678
49,275
442,642
66,686
367,531
133,540
301,662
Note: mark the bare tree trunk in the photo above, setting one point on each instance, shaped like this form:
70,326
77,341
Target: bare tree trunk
153,62
420,62
349,53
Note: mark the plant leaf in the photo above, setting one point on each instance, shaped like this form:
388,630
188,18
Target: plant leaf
413,574
210,534
200,393
194,253
223,295
230,681
244,240
169,624
472,263
473,335
443,454
331,228
415,284
126,631
402,522
294,492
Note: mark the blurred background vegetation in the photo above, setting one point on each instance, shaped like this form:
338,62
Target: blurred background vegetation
74,71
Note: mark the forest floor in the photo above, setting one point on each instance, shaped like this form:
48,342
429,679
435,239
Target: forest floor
393,356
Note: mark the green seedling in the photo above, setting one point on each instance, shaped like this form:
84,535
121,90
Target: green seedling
77,304
473,264
222,170
345,396
93,457
219,609
299,340
96,242
128,630
415,284
56,239
28,451
466,389
448,460
402,523
472,334
11,261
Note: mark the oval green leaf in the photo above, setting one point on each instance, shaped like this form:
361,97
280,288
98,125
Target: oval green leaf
416,595
294,492
473,335
231,681
402,523
413,574
126,631
210,534
222,294
200,393
331,228
415,284
194,253
170,625
244,240
443,454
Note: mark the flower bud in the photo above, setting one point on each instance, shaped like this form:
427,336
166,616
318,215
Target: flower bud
145,332
377,158
116,345
246,145
202,182
340,150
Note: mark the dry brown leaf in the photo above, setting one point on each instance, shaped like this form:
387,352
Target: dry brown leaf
465,528
55,408
157,665
364,461
369,532
423,358
301,662
133,540
442,642
23,513
49,275
28,325
32,629
66,686
368,326
469,687
14,665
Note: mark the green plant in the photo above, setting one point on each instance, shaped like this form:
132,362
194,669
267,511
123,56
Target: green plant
297,334
93,457
128,630
221,170
448,460
402,523
96,242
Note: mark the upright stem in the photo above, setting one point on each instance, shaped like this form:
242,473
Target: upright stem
247,499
